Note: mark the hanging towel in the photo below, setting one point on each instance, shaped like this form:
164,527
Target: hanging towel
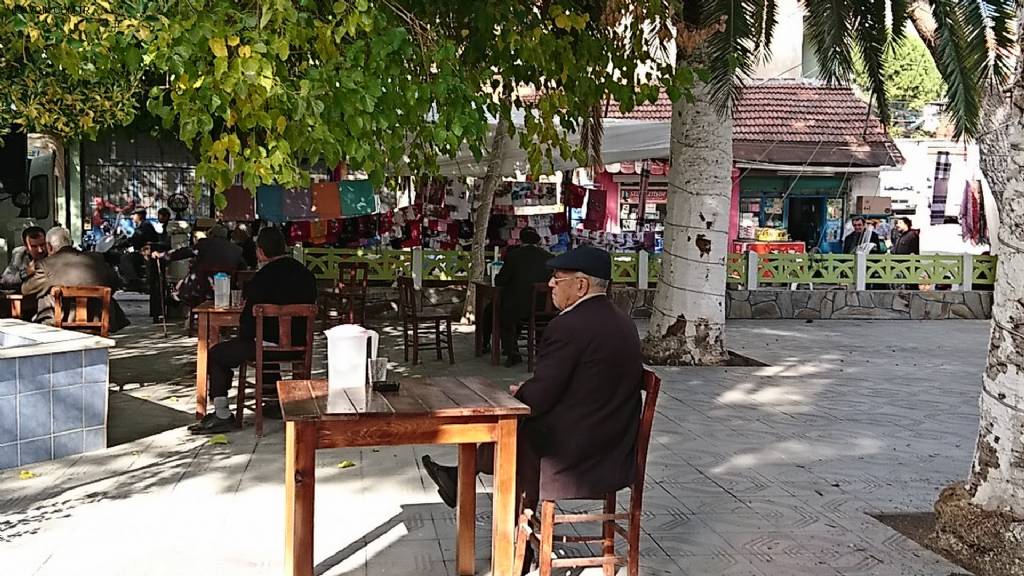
240,206
940,187
270,203
298,204
357,198
326,201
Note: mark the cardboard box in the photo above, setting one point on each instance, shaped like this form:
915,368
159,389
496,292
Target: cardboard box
874,205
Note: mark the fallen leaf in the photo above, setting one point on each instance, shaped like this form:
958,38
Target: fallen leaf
346,464
172,399
26,475
218,439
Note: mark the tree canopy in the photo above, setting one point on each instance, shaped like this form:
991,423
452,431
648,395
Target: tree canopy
262,90
910,74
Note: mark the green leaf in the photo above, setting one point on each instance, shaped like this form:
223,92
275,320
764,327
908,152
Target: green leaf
218,48
346,464
217,439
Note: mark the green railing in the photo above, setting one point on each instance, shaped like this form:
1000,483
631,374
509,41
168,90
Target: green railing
773,270
805,268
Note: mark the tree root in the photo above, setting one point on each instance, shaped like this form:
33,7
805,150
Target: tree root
987,543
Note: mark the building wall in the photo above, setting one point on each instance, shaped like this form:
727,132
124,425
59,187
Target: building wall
787,48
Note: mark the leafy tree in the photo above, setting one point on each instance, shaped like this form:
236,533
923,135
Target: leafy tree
910,74
70,67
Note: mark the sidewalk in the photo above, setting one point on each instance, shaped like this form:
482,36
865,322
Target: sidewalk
753,471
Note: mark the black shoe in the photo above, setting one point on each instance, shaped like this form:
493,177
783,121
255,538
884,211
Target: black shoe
446,478
211,424
513,360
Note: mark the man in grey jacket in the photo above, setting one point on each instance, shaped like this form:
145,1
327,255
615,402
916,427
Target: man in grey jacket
23,258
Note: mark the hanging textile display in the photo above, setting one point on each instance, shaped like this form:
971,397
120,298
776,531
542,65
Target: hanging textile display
574,195
940,187
973,225
326,200
298,204
357,198
270,203
240,205
595,210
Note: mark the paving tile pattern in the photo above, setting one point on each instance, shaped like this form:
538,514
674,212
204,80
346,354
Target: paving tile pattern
752,471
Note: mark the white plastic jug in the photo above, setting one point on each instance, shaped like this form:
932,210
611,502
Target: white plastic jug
221,290
346,363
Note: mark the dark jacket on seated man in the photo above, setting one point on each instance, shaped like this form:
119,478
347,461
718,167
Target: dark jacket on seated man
523,267
69,267
281,281
585,401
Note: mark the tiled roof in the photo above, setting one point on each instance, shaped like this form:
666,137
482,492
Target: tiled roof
796,121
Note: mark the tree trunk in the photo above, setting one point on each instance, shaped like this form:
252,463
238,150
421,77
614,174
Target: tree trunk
483,200
996,482
688,322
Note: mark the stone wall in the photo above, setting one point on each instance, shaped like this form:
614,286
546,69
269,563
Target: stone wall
858,305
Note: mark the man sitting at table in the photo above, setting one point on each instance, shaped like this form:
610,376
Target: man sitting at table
579,440
214,253
523,267
23,258
66,266
281,280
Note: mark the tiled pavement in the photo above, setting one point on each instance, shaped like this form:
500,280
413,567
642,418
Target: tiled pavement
753,471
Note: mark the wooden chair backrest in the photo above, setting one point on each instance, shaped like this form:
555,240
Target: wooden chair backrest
408,297
78,316
651,386
542,308
353,277
241,278
286,314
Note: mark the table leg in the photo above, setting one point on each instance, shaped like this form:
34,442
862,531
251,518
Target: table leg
495,331
299,486
201,350
478,340
503,530
465,547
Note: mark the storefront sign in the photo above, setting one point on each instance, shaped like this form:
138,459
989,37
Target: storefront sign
654,196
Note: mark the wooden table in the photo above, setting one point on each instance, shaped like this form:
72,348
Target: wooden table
211,321
486,293
464,411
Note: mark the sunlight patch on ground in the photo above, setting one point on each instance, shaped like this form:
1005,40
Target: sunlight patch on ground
798,452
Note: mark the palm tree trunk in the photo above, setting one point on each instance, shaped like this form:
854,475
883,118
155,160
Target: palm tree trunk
688,323
483,201
996,482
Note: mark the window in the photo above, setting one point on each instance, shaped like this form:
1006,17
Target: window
39,190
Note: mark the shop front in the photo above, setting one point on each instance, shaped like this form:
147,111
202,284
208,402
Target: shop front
795,213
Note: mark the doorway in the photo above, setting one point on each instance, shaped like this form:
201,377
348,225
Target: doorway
806,219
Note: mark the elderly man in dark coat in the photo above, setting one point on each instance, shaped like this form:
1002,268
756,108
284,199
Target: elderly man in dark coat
65,266
580,438
523,267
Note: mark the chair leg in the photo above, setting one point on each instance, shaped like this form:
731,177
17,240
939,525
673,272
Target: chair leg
451,349
531,335
633,546
405,339
522,541
240,396
547,536
259,400
437,337
415,342
608,533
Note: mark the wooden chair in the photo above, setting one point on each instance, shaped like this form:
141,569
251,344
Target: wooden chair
542,311
79,316
348,297
542,530
241,278
272,358
417,318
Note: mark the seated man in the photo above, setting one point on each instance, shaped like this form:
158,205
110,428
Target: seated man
281,280
523,267
23,258
65,266
580,438
212,254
